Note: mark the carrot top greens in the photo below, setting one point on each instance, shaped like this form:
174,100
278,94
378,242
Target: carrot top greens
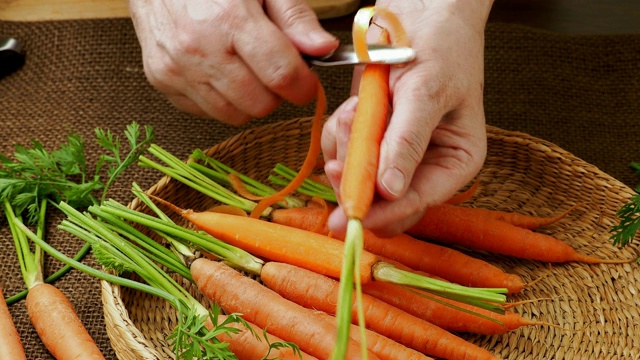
624,232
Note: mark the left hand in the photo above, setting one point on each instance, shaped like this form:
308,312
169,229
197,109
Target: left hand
435,142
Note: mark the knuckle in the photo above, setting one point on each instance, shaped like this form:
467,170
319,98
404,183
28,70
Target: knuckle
281,76
410,144
297,14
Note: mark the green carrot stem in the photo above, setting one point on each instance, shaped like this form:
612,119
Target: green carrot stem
237,258
91,271
29,266
176,246
53,277
345,292
389,273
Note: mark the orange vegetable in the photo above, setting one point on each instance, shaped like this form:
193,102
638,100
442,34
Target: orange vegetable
433,259
10,344
319,292
520,220
358,183
448,224
57,323
444,316
237,293
383,347
246,346
276,242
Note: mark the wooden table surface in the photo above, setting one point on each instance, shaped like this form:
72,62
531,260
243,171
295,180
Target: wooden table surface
569,16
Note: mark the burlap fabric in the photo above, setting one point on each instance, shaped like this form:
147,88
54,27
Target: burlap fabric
579,92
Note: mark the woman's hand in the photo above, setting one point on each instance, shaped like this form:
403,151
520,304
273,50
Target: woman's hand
230,60
435,142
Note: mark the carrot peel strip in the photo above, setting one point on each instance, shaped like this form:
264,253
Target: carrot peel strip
310,161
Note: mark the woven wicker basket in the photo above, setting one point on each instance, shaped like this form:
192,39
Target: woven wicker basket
522,174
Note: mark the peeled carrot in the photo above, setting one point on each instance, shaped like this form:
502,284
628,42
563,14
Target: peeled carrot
319,292
246,346
57,323
443,316
358,183
237,293
433,259
446,223
10,344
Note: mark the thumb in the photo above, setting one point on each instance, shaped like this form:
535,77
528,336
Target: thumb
299,22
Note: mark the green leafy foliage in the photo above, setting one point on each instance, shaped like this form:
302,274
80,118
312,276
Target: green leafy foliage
625,231
36,173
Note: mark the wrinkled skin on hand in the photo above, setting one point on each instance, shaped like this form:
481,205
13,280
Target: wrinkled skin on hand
435,142
230,60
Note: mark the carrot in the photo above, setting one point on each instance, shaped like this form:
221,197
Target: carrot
246,346
318,292
446,223
381,346
276,242
309,163
443,316
431,258
265,308
10,344
358,183
61,331
520,220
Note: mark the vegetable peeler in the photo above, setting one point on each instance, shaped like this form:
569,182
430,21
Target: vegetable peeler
12,56
379,54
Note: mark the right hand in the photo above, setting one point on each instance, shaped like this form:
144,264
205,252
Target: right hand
230,60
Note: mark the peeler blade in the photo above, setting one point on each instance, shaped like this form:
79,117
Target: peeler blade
379,54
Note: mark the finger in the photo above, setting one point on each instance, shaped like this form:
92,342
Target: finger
299,22
406,139
187,105
276,63
330,130
215,105
355,81
243,89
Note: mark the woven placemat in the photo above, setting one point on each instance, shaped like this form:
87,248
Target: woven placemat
580,92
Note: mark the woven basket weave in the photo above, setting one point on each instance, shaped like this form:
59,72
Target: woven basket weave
522,174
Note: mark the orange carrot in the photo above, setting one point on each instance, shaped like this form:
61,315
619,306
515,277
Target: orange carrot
358,183
433,259
237,293
10,344
61,331
245,346
443,316
309,163
445,223
272,241
319,292
383,347
520,220
464,196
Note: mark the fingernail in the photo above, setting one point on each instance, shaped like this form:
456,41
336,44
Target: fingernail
393,180
321,36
